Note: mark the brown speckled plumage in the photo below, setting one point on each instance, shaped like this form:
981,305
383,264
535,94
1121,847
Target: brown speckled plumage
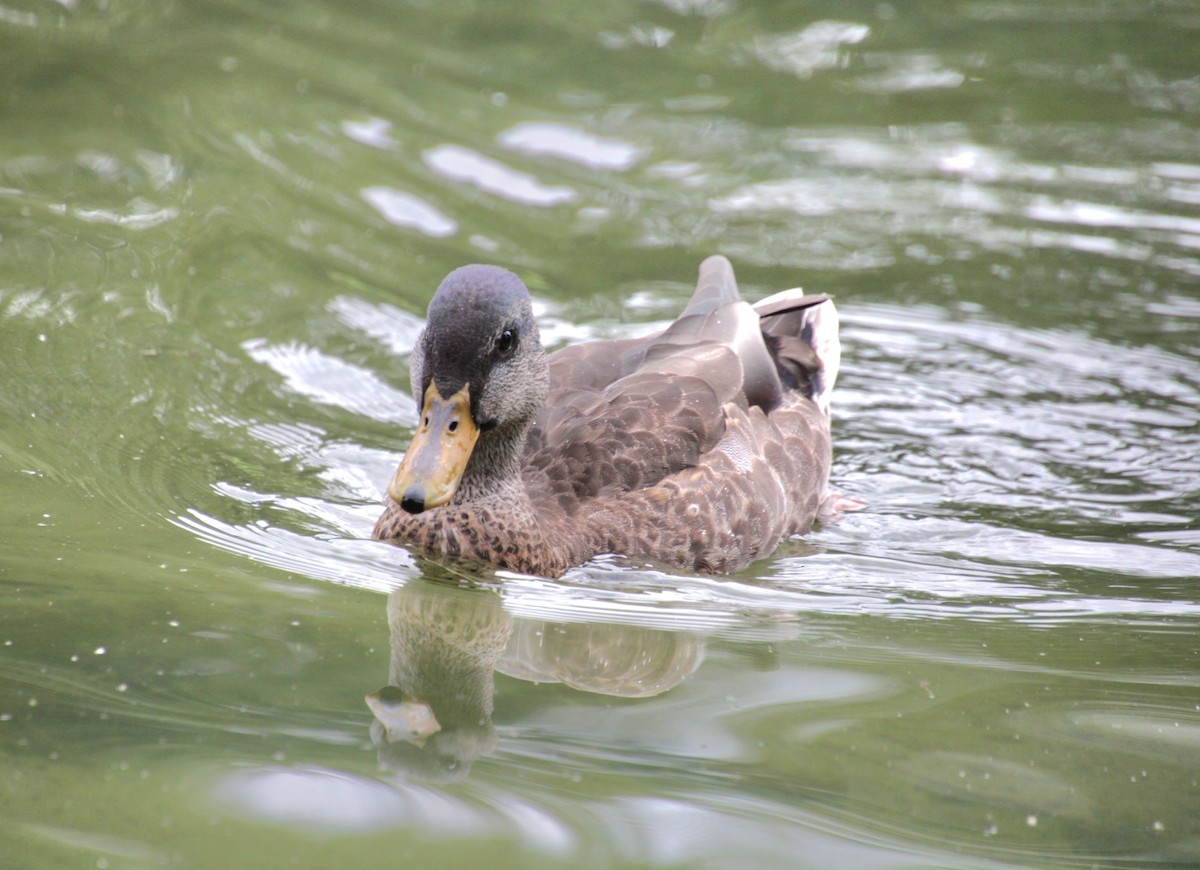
701,447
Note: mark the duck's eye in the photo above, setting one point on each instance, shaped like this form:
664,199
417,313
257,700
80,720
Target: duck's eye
506,343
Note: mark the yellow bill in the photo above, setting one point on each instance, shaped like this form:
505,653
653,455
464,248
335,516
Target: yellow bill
435,461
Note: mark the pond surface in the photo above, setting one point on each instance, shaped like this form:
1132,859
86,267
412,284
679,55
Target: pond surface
220,224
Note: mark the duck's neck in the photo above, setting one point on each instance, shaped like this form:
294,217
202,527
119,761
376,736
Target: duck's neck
494,468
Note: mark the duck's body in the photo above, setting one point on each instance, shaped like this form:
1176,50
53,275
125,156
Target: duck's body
700,447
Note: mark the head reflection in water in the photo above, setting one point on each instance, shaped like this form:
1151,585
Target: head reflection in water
435,717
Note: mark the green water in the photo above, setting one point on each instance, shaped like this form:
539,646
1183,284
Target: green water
220,223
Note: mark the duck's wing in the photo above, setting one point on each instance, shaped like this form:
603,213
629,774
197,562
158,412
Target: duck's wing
594,365
627,436
715,315
785,342
624,415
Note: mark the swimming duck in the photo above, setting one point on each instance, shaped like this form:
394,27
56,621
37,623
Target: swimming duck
699,447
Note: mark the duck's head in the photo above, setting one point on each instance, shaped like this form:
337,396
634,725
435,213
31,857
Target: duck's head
480,376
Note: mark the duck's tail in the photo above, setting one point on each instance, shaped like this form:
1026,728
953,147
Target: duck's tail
801,333
786,342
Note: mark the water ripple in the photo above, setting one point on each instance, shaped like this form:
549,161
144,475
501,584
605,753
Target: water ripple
330,381
460,164
570,144
406,210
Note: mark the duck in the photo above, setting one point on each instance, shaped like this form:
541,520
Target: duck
700,447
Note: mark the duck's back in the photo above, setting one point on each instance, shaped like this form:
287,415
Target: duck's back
701,446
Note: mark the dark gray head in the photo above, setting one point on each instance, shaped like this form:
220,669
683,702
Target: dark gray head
481,332
479,377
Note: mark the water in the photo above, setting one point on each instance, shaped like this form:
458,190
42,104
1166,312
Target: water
220,224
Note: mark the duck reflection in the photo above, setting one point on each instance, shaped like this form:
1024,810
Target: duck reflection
434,718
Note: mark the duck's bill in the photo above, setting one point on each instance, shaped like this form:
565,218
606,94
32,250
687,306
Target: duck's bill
433,467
